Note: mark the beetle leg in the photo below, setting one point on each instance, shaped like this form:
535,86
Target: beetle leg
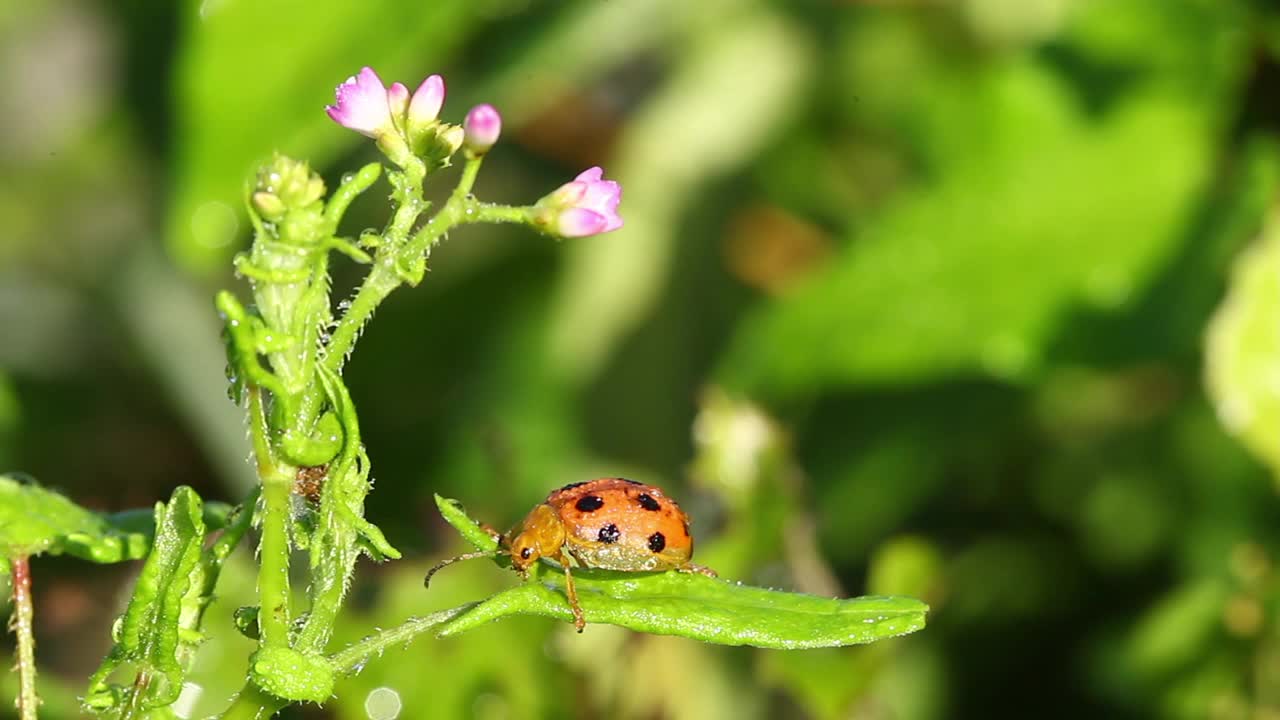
579,621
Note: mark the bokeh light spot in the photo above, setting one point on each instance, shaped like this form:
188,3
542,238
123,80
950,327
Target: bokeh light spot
383,704
214,224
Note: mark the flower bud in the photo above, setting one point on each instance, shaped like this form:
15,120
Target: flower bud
482,127
286,184
424,108
268,205
586,206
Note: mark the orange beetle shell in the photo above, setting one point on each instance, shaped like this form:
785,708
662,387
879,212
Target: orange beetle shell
614,524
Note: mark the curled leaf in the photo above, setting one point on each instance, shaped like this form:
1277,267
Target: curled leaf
159,631
149,633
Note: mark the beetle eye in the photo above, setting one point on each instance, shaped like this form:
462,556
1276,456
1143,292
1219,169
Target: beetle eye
525,553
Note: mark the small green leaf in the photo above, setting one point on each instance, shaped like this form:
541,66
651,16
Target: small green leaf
35,520
690,605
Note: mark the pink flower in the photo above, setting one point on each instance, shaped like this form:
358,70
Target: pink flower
586,206
362,105
370,108
482,125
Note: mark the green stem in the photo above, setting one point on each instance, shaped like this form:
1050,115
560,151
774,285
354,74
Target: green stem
137,696
379,283
351,187
384,278
353,658
253,703
453,212
486,213
239,520
273,573
20,624
409,202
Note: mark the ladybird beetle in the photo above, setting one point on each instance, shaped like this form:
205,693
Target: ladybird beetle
607,523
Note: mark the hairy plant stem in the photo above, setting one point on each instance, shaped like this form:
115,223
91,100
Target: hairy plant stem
253,703
20,624
354,657
273,572
137,696
387,274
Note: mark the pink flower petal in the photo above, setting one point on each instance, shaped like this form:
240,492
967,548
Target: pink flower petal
587,205
427,101
398,101
362,104
569,194
579,222
590,175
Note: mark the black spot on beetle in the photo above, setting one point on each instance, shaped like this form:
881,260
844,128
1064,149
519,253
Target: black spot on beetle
657,542
609,534
589,503
571,486
647,502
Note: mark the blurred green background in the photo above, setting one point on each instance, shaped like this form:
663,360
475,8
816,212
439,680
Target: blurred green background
913,297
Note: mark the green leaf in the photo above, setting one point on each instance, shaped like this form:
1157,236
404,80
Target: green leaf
158,628
707,609
1243,350
690,605
36,520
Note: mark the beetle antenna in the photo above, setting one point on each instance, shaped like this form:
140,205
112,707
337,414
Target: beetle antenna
426,581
